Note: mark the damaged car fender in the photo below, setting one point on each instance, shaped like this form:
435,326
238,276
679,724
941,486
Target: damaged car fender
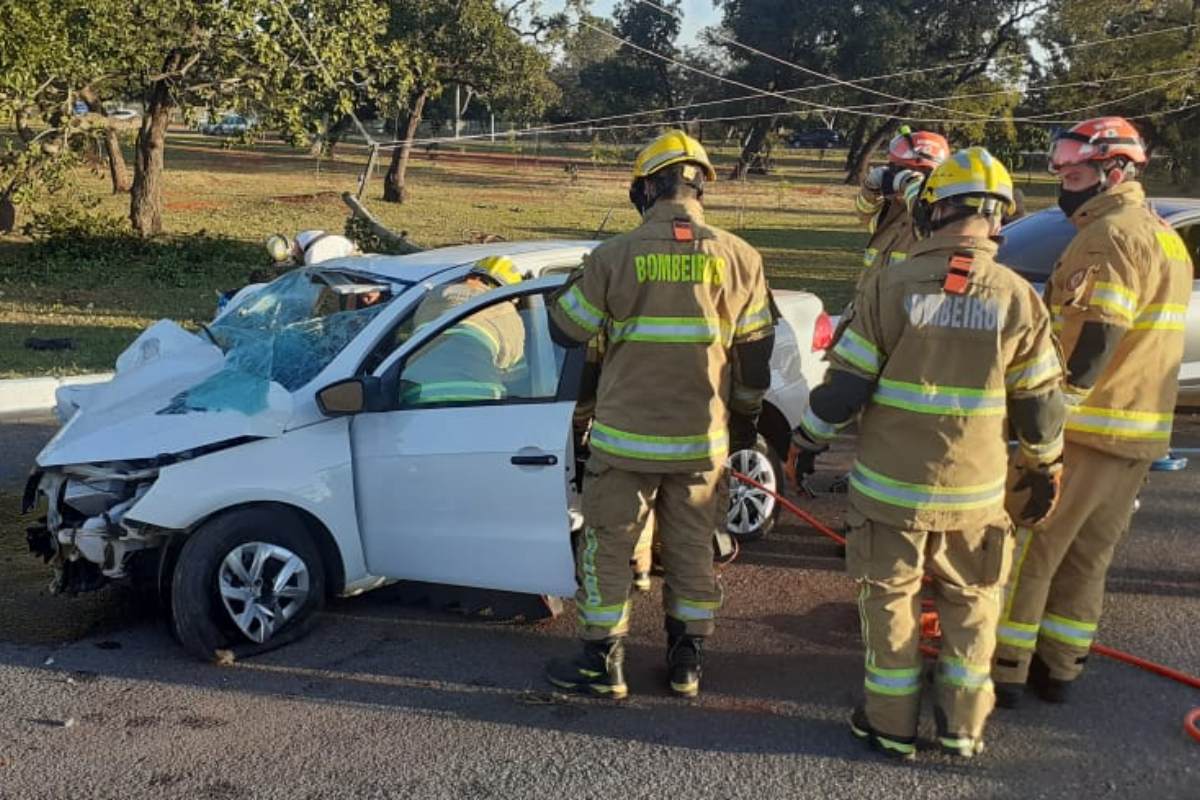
309,469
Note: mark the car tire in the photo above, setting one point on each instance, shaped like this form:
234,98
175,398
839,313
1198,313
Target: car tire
246,582
752,513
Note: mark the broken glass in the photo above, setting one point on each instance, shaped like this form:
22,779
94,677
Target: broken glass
284,333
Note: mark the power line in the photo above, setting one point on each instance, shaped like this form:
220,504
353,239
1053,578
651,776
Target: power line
833,79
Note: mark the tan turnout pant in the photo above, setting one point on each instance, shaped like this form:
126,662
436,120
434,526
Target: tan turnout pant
967,568
1053,600
616,505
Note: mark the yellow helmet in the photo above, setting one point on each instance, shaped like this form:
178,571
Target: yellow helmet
973,172
672,147
501,268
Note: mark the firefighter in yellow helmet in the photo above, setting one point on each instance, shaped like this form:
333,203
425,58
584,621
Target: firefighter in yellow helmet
492,341
1118,296
689,334
941,350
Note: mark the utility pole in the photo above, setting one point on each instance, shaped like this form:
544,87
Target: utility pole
457,112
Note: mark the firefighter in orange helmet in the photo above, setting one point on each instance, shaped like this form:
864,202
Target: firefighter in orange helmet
1118,297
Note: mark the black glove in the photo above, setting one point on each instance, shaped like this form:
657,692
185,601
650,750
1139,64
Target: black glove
1044,484
743,432
802,457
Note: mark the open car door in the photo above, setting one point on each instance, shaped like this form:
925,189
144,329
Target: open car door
464,478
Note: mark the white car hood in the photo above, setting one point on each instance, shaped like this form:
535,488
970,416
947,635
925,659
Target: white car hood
172,392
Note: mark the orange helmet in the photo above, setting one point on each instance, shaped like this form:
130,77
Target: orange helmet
918,149
1100,139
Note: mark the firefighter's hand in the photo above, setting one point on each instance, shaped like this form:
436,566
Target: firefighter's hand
802,458
1045,485
874,180
902,182
743,432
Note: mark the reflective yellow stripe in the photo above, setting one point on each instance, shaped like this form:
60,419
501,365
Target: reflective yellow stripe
671,330
693,610
754,318
940,400
897,256
1115,298
893,682
869,256
1144,425
1068,631
924,497
818,428
859,352
659,448
957,672
580,310
1161,317
452,392
1043,451
1033,372
865,205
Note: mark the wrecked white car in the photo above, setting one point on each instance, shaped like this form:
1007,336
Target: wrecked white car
287,452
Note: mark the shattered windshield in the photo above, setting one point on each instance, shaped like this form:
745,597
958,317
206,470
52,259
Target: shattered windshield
285,332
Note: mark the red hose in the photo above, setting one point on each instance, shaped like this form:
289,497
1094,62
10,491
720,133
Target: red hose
1191,723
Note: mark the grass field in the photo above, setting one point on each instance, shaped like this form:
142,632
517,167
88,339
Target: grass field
222,202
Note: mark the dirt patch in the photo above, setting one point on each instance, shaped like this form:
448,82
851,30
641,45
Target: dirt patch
194,205
304,199
29,613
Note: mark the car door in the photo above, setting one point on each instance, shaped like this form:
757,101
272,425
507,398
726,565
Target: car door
464,478
1189,370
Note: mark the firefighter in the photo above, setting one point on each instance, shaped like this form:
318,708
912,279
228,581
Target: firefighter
888,193
471,359
689,335
1118,296
941,349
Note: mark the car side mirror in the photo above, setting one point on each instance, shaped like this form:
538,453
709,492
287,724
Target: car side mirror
350,396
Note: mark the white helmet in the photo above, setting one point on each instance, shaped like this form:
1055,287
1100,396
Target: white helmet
313,247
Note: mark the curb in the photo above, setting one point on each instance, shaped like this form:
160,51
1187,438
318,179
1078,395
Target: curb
37,394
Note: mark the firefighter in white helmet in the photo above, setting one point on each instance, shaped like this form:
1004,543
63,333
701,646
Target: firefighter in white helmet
689,335
941,350
1118,296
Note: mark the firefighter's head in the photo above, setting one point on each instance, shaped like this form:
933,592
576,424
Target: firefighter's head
673,166
922,151
971,185
1095,156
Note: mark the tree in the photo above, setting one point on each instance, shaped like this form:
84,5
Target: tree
52,57
471,43
247,53
1153,100
873,37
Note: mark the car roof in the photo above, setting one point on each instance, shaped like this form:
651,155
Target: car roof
528,256
1033,243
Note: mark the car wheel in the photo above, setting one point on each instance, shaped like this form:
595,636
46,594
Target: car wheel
246,582
752,512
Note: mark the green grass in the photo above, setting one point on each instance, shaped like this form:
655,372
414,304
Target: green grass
223,201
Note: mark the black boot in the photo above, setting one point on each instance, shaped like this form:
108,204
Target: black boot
1049,689
903,748
598,670
1008,695
684,657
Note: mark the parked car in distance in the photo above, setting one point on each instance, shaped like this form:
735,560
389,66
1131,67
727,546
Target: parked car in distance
304,444
1033,244
228,125
820,139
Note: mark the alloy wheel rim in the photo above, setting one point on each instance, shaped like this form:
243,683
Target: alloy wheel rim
749,506
262,587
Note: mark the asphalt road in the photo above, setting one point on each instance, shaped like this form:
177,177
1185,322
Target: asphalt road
386,700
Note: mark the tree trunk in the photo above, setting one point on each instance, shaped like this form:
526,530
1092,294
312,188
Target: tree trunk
752,151
8,215
857,170
394,190
118,172
146,199
855,143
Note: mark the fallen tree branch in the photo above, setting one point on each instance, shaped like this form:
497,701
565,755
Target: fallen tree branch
395,243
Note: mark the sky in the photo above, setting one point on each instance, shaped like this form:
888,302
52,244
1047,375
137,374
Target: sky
697,14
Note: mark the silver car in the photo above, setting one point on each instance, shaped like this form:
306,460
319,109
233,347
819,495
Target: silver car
1033,244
